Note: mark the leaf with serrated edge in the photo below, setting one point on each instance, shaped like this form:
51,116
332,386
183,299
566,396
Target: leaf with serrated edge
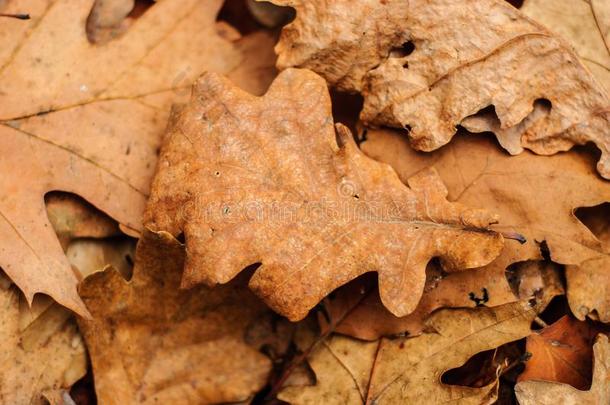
87,118
534,195
151,342
466,56
266,179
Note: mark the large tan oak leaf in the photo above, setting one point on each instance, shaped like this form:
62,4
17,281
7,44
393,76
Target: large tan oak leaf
409,370
151,342
551,393
88,119
267,180
429,66
536,196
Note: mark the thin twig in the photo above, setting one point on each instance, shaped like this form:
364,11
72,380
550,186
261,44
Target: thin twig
17,16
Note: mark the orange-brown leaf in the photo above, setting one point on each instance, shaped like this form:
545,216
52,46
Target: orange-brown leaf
266,179
562,352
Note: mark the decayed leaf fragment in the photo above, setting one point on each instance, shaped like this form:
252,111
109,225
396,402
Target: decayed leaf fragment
151,342
88,119
534,195
585,24
405,370
430,65
545,392
265,179
561,352
40,352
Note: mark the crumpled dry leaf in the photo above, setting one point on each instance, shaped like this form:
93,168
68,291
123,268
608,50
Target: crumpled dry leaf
545,392
151,342
357,311
429,65
561,352
252,180
90,131
40,353
585,24
405,370
534,195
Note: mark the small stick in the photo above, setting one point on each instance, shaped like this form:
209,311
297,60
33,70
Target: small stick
17,16
514,236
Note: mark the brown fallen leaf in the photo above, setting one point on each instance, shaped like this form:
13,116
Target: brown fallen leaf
430,65
357,311
151,342
586,26
405,370
534,195
551,393
561,352
87,119
40,353
589,285
250,180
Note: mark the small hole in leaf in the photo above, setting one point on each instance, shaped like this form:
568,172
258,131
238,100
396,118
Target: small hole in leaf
236,13
515,3
544,104
402,51
483,368
557,308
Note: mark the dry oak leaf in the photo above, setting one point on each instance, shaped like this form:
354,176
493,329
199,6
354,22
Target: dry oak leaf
405,370
41,352
151,342
356,310
534,195
429,65
585,24
266,180
561,352
552,393
88,118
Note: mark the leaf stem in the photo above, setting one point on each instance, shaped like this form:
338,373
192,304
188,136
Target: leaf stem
17,16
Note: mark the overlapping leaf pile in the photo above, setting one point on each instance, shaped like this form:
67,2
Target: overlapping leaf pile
414,204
